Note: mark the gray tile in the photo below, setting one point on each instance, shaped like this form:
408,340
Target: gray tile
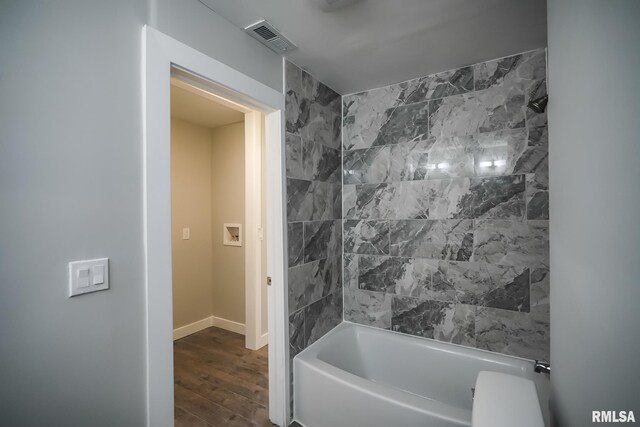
524,67
296,333
295,243
314,195
296,107
535,90
349,201
404,123
434,319
451,157
533,159
459,281
320,163
376,273
309,200
322,239
537,196
440,85
540,289
309,282
318,127
366,237
509,332
306,283
514,243
398,113
319,93
535,163
449,198
367,308
375,201
336,201
495,197
501,107
510,288
499,152
434,239
442,214
300,203
323,104
365,113
351,272
366,166
411,201
336,134
398,200
410,160
322,316
293,161
538,136
481,284
404,276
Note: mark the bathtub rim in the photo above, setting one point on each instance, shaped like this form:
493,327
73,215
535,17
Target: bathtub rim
346,324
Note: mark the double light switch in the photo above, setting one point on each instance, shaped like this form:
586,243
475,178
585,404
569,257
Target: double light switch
88,276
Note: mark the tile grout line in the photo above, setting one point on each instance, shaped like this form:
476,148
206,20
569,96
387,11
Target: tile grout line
342,220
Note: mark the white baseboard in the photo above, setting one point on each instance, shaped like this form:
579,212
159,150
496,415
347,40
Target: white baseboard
207,322
192,328
263,340
228,325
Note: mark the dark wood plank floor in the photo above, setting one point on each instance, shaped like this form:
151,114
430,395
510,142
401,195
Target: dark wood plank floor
218,382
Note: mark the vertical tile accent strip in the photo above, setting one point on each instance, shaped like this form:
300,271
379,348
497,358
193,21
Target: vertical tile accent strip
314,207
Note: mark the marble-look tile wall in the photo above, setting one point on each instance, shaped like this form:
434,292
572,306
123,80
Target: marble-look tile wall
445,204
314,207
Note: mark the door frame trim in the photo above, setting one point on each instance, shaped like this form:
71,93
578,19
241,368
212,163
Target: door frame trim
160,55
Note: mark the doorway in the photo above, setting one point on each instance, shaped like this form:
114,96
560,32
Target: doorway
166,58
219,274
220,366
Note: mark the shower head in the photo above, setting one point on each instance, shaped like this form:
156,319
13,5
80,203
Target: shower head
539,104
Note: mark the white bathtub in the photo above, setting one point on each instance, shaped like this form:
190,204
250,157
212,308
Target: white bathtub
360,376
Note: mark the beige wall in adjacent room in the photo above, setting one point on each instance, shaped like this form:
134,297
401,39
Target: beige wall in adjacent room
208,190
227,201
191,153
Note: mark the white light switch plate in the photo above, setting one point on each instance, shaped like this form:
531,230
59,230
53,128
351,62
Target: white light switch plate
88,276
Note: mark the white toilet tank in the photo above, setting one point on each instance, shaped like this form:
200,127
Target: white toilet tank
503,400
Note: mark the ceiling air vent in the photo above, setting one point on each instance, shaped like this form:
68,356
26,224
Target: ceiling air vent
266,34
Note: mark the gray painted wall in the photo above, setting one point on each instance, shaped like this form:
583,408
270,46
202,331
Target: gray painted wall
439,242
71,189
594,123
71,185
195,24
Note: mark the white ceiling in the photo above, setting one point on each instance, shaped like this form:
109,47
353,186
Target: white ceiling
195,108
374,43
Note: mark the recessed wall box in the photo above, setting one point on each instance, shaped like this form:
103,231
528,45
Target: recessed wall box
232,234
